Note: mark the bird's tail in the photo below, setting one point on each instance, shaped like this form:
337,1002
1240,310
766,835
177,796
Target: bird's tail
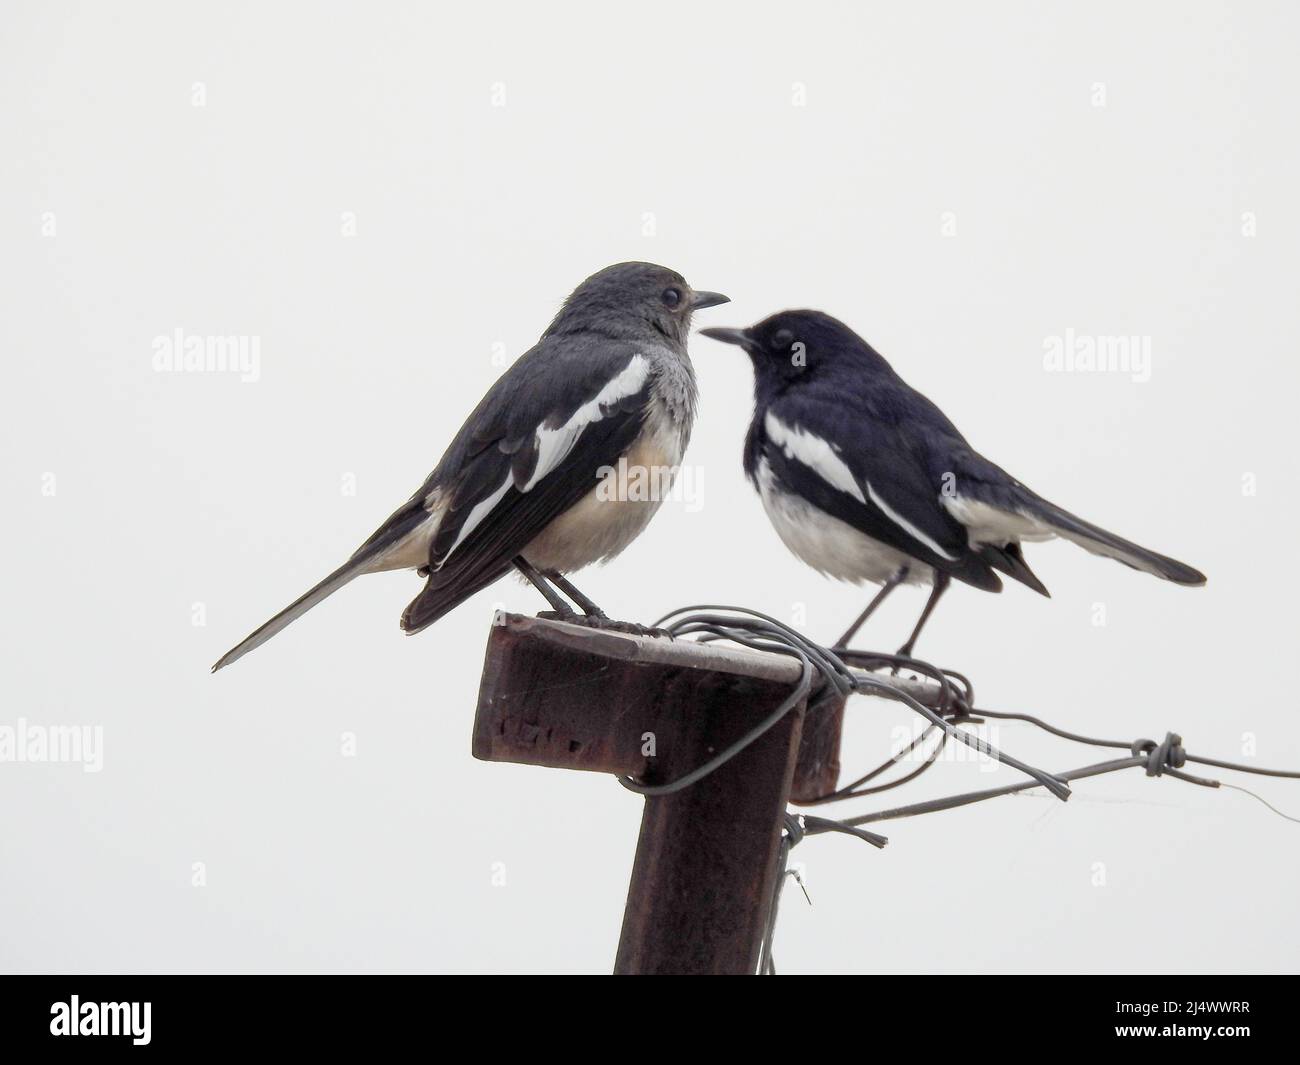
1009,559
354,567
1100,542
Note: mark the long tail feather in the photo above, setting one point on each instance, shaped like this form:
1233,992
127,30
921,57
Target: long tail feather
354,567
1100,542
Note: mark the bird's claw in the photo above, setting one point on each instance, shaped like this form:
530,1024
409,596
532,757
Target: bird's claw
607,624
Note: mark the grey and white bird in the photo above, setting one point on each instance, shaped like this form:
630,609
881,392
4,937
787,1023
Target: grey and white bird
865,479
520,487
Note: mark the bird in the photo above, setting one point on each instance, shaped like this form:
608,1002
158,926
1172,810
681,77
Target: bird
866,480
525,484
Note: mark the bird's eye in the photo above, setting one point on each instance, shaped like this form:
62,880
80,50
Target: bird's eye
672,297
782,339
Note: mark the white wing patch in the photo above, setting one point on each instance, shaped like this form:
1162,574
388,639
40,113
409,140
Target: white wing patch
821,457
554,445
907,526
815,453
477,513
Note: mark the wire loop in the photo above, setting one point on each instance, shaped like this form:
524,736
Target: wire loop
1161,756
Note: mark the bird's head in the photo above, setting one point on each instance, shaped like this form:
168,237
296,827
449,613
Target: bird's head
792,345
633,301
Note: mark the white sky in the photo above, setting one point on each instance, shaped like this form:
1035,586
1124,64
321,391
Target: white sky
668,132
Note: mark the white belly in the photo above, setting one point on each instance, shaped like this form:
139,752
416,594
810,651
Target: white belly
615,513
829,545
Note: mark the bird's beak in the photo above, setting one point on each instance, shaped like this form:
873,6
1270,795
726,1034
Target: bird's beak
729,336
708,299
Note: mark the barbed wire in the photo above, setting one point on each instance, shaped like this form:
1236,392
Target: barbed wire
829,674
760,632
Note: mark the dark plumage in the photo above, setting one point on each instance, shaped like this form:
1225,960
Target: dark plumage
865,479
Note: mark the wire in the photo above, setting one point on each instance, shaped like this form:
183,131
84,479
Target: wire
1260,798
854,789
796,697
1288,773
759,631
827,674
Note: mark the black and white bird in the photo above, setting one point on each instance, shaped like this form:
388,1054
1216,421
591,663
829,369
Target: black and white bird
520,487
865,479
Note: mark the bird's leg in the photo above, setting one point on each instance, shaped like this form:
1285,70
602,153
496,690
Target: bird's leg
894,581
596,618
566,586
539,582
941,582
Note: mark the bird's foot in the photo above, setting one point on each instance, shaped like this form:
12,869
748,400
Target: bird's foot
604,623
631,627
903,654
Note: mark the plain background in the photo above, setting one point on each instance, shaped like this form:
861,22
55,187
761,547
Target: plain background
957,183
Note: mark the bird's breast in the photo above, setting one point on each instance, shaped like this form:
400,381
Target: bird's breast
615,512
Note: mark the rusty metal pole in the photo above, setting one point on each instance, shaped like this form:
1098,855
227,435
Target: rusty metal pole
706,858
561,695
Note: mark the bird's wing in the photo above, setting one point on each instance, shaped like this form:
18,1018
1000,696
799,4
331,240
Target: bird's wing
870,470
531,450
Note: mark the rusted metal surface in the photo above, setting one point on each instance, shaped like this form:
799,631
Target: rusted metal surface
706,858
569,698
536,698
817,771
563,696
